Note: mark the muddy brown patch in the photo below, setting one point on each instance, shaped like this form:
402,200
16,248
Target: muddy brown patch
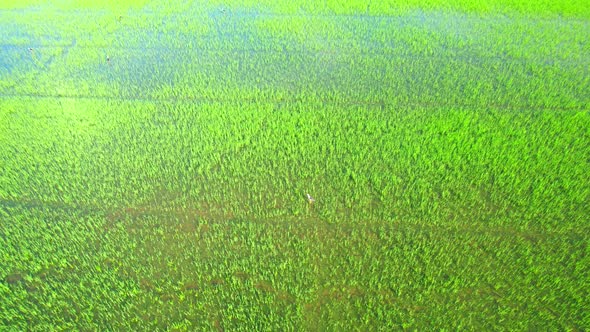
216,282
167,297
190,286
34,286
146,284
15,278
264,286
188,227
285,297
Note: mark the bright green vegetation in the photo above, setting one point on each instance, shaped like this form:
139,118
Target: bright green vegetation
154,166
538,8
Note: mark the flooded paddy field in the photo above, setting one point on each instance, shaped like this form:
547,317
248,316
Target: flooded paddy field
258,167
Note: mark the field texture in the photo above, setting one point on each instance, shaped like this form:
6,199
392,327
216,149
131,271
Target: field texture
156,162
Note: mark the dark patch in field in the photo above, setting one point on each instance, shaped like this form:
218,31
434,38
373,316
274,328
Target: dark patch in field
264,286
167,298
243,276
34,286
15,278
146,284
190,286
216,282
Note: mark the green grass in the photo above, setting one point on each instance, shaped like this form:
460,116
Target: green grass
154,166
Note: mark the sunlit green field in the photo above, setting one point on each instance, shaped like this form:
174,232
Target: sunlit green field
156,162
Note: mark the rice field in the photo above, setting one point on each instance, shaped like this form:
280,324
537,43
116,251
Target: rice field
294,166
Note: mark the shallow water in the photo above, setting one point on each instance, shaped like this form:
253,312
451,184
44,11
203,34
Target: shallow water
407,54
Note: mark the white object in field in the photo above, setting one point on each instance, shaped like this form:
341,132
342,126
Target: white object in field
310,199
